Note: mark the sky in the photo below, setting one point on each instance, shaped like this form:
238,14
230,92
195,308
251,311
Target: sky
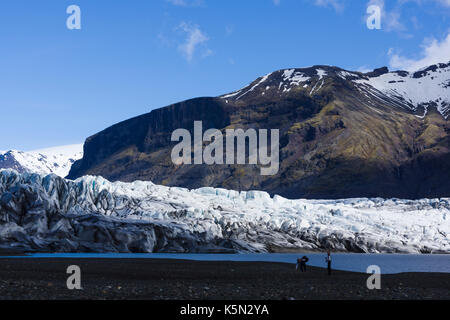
59,86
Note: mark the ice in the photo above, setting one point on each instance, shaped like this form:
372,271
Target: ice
249,221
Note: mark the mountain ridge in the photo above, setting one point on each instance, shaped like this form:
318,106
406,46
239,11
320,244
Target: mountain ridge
304,76
342,134
57,160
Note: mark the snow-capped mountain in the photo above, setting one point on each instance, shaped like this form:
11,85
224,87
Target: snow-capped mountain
48,213
425,89
420,90
57,160
343,134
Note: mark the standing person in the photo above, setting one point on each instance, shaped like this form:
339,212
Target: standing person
328,261
303,262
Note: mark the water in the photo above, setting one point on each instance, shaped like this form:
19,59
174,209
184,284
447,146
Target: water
389,263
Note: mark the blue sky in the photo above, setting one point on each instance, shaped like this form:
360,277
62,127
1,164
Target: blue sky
59,86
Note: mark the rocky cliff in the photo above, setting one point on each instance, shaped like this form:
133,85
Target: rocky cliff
342,134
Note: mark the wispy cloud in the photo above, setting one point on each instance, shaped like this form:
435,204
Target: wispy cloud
338,5
186,3
194,38
433,51
276,2
445,3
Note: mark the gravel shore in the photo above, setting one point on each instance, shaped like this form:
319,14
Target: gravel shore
32,278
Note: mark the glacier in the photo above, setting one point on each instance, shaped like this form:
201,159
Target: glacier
46,213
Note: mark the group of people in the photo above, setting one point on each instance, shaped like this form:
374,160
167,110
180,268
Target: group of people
301,263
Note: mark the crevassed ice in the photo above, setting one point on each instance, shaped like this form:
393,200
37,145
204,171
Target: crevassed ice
254,217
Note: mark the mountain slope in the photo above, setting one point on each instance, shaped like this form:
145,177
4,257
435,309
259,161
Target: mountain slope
57,160
342,134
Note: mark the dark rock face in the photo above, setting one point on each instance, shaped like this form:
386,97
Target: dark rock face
336,140
377,72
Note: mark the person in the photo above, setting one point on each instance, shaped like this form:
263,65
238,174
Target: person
301,264
328,261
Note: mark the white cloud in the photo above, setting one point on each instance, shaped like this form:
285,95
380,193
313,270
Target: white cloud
433,51
186,3
276,2
336,4
181,3
194,38
444,2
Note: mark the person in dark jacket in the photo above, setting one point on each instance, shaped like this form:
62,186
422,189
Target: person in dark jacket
301,263
328,261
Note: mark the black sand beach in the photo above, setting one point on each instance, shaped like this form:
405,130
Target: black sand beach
30,278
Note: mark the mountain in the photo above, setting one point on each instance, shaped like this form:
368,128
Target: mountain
57,160
51,214
342,133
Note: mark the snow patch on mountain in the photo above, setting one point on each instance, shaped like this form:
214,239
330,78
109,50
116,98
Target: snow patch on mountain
262,80
289,79
346,75
321,73
57,160
231,94
293,78
425,88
